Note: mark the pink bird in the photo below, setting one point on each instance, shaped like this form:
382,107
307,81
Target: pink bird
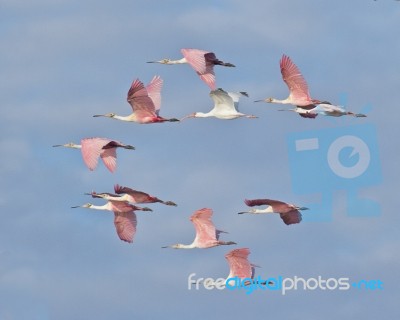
124,217
239,264
145,103
206,234
130,195
298,88
289,213
93,148
202,62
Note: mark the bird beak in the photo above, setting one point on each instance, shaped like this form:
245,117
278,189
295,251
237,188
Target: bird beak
58,145
165,247
188,117
99,115
243,212
75,207
259,100
152,62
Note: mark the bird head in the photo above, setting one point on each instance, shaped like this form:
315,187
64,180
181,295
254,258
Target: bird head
162,61
68,145
192,115
86,205
107,115
268,100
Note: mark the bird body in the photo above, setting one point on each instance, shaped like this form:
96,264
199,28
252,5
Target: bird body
125,220
93,148
325,109
299,94
201,61
207,236
239,265
130,195
289,213
145,103
225,106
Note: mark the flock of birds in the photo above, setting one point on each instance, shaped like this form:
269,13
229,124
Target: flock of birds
146,102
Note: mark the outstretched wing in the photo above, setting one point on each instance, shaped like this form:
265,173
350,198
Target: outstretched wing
91,150
294,80
109,157
205,229
125,225
200,61
139,99
154,92
291,217
239,264
223,101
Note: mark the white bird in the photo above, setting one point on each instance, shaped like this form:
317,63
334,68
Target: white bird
225,106
325,109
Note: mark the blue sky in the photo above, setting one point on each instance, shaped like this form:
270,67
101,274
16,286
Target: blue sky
64,61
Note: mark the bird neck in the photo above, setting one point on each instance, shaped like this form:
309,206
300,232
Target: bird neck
203,115
180,61
103,207
266,210
184,246
132,117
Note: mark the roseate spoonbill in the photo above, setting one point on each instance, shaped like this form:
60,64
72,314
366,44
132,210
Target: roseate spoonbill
239,266
289,213
225,106
325,109
93,148
130,195
206,234
201,61
298,88
124,217
145,103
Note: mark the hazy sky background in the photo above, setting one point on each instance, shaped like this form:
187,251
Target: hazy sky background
63,61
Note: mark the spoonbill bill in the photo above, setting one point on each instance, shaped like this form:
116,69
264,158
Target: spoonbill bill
207,236
125,220
130,195
201,61
325,109
93,148
289,213
225,106
145,103
299,94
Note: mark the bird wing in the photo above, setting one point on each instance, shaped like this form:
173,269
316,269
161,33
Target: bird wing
277,206
109,157
91,150
138,196
294,80
125,225
139,100
239,264
291,217
205,229
200,61
121,206
154,91
223,101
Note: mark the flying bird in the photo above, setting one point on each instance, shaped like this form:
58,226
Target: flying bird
239,264
93,148
124,217
207,236
289,213
201,61
225,106
299,94
130,195
325,109
145,103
